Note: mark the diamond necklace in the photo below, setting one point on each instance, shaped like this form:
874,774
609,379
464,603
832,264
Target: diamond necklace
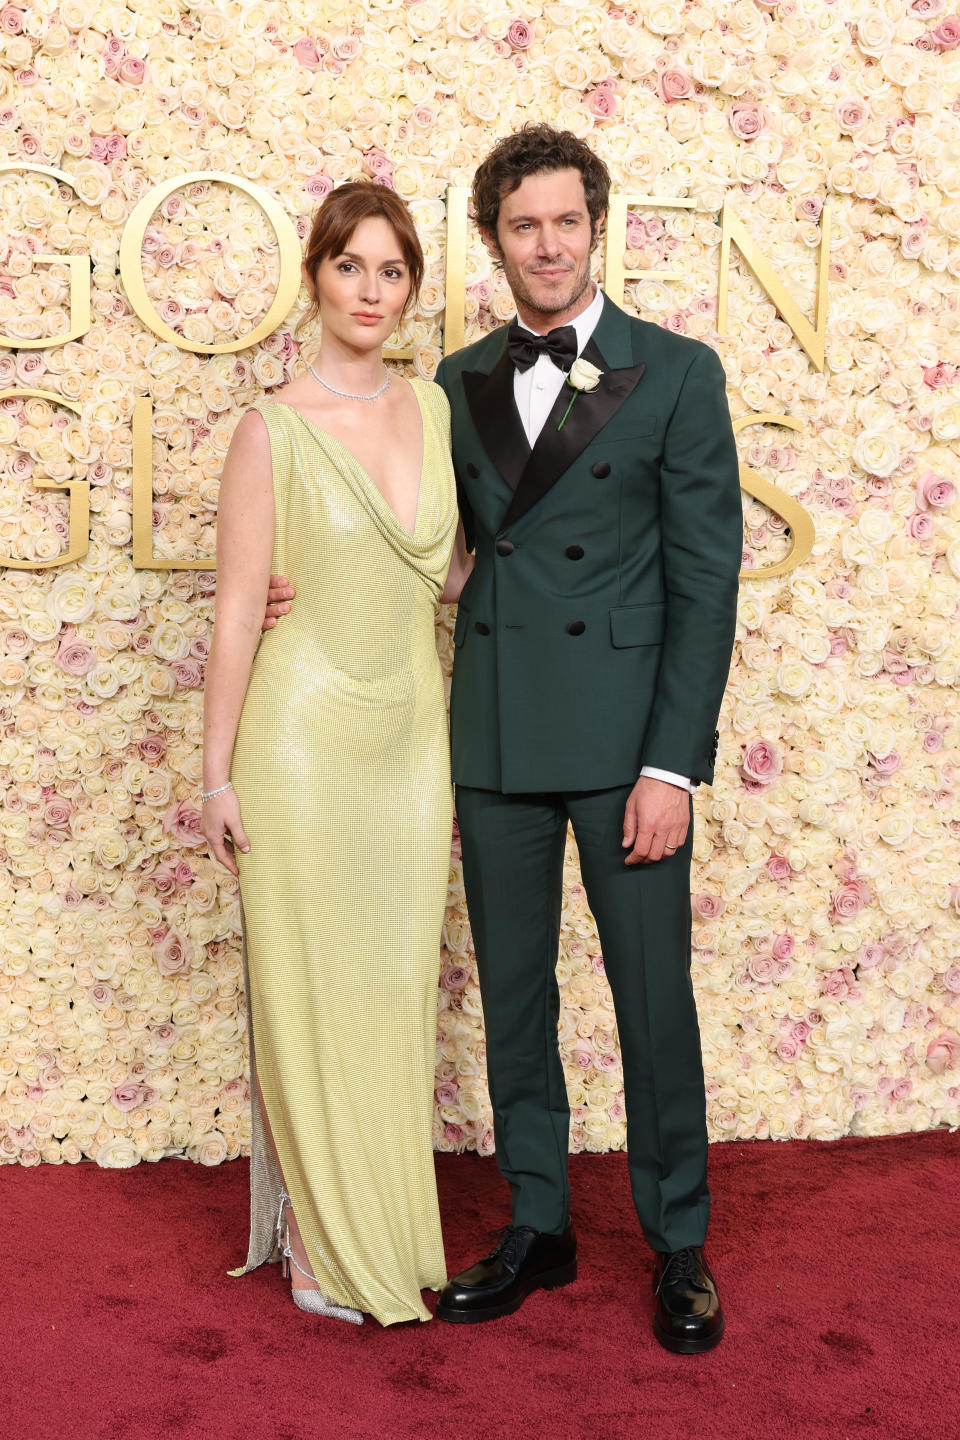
347,394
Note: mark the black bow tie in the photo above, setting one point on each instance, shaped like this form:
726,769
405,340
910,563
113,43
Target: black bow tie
525,348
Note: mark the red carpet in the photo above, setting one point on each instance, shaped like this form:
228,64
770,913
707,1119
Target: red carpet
837,1263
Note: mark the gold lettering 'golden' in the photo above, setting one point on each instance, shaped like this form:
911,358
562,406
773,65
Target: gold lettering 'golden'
131,269
143,556
811,336
455,291
801,530
79,268
78,538
615,275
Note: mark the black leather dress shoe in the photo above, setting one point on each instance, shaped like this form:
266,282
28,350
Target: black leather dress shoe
688,1316
523,1260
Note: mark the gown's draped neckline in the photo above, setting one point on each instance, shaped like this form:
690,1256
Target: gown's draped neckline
431,523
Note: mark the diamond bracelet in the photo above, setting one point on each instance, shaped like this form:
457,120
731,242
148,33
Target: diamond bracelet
209,794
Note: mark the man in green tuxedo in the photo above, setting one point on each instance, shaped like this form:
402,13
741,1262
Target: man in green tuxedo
599,487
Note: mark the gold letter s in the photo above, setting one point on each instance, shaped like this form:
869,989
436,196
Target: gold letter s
802,533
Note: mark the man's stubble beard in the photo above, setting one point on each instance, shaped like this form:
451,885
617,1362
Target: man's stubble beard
518,289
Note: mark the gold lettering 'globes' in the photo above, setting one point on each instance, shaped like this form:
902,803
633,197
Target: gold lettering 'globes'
810,335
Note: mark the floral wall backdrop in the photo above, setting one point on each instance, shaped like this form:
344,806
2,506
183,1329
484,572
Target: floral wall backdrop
826,884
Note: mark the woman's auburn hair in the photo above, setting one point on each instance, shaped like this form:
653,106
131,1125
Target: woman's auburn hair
337,218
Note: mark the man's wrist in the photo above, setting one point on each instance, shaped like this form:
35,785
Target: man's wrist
683,782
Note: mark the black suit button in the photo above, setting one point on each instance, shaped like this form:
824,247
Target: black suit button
472,471
576,627
574,552
505,547
481,628
601,469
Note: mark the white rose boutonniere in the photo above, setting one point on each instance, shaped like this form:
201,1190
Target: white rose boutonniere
583,376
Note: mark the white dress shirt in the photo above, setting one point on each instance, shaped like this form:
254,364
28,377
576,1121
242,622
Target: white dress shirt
535,391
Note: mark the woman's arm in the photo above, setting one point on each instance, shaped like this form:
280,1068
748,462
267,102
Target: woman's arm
461,568
245,529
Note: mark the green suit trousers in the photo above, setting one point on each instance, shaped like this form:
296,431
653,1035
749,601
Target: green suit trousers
513,847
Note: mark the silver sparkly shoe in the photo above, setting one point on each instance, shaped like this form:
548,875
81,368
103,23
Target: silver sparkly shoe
312,1300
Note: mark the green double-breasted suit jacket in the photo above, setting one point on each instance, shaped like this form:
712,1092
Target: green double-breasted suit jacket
595,633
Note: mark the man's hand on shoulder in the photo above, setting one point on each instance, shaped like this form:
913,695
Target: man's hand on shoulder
655,821
279,593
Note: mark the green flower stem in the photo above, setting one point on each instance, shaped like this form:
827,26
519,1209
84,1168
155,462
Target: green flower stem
567,411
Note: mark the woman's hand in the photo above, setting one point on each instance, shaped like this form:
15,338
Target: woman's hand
222,828
278,594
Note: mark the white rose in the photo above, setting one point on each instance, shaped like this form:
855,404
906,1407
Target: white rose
583,375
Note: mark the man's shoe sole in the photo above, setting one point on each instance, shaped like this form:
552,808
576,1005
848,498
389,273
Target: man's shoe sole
548,1280
687,1347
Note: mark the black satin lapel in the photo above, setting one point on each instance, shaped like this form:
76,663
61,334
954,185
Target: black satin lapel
557,448
494,412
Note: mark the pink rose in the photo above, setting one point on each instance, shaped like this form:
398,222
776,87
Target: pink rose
887,764
98,149
306,52
454,977
130,1095
934,492
486,1144
707,906
947,33
762,762
165,1034
849,900
602,103
187,673
171,954
674,85
783,946
152,748
809,208
101,995
318,185
132,70
446,1092
926,9
379,165
920,527
453,1133
182,821
869,956
747,119
778,867
851,112
57,812
951,980
762,969
165,881
932,741
520,34
11,20
943,1052
75,658
936,376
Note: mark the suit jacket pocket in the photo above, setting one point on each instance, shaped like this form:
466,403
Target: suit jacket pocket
638,624
460,624
632,427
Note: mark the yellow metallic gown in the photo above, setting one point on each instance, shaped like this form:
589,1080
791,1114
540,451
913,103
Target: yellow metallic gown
342,771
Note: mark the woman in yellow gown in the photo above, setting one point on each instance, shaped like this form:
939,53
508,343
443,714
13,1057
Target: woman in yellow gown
327,782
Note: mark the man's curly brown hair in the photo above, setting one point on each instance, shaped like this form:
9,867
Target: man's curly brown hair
534,148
